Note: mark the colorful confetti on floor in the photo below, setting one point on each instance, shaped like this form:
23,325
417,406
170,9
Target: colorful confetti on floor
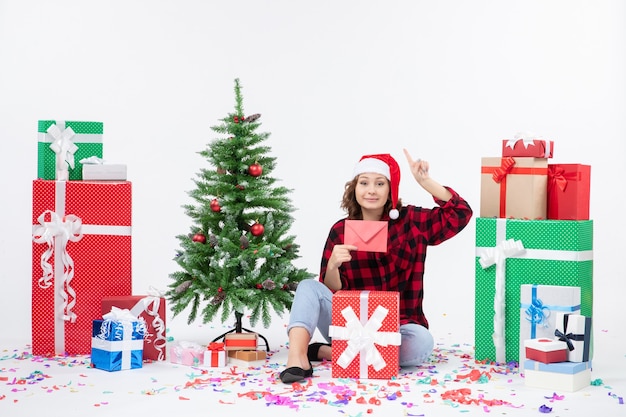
452,382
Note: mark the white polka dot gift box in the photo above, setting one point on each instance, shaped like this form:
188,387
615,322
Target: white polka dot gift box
365,334
61,145
81,253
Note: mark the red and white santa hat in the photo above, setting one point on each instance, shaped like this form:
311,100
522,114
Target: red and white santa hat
382,164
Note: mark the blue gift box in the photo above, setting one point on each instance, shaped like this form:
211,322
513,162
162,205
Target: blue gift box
117,345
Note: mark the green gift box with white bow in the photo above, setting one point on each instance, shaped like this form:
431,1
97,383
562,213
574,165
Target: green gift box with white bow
513,252
61,145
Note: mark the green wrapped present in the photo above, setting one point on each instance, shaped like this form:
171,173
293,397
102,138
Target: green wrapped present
63,144
513,252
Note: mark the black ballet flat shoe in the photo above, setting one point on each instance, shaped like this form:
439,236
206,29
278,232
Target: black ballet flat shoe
295,374
313,351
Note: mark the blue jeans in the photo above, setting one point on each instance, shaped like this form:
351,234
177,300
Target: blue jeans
312,308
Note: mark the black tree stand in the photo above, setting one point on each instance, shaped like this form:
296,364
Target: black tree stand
240,329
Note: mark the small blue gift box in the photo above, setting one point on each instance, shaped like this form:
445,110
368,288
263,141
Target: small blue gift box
117,345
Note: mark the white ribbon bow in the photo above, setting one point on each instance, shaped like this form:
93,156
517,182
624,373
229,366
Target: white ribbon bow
151,305
497,256
363,338
527,139
64,149
57,232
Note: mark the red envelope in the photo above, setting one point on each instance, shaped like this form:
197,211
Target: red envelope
367,235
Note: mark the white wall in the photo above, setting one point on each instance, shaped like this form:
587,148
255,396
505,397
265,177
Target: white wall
333,80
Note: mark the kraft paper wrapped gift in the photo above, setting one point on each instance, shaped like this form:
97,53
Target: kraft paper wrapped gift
81,252
527,146
117,341
539,309
186,353
569,187
561,376
546,350
241,341
575,330
513,252
151,309
247,355
365,334
514,187
215,355
62,144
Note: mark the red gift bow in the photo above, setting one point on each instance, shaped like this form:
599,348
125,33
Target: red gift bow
215,346
557,177
506,165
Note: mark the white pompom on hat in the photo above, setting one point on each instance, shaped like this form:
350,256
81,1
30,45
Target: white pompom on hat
382,164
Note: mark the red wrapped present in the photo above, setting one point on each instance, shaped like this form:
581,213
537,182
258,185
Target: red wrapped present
546,350
527,145
365,334
215,355
151,308
241,341
81,253
568,191
514,188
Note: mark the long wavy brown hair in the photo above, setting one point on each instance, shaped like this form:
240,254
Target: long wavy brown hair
353,208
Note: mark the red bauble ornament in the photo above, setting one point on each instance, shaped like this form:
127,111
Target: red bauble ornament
240,187
199,237
259,286
257,229
215,205
255,169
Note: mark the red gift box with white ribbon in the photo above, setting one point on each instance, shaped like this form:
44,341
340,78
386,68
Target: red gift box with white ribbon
150,308
527,145
365,334
81,252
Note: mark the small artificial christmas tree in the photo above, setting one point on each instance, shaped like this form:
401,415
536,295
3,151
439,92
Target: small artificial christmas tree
238,256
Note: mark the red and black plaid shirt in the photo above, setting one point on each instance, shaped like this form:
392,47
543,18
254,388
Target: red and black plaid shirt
402,267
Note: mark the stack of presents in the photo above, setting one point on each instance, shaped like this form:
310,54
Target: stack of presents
534,265
82,301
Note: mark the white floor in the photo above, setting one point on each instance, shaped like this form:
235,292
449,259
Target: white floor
69,387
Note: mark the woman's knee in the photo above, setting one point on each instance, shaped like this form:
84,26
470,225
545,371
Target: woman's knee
416,346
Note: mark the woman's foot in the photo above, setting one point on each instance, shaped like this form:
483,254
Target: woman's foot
317,351
295,374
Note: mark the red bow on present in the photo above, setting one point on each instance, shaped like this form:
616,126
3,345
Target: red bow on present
215,346
557,177
506,165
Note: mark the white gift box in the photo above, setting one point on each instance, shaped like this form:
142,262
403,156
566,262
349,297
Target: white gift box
575,330
539,305
104,172
561,376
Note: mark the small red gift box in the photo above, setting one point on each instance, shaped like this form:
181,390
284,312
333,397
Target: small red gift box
241,341
568,191
546,350
81,253
520,146
514,187
215,355
365,334
152,310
